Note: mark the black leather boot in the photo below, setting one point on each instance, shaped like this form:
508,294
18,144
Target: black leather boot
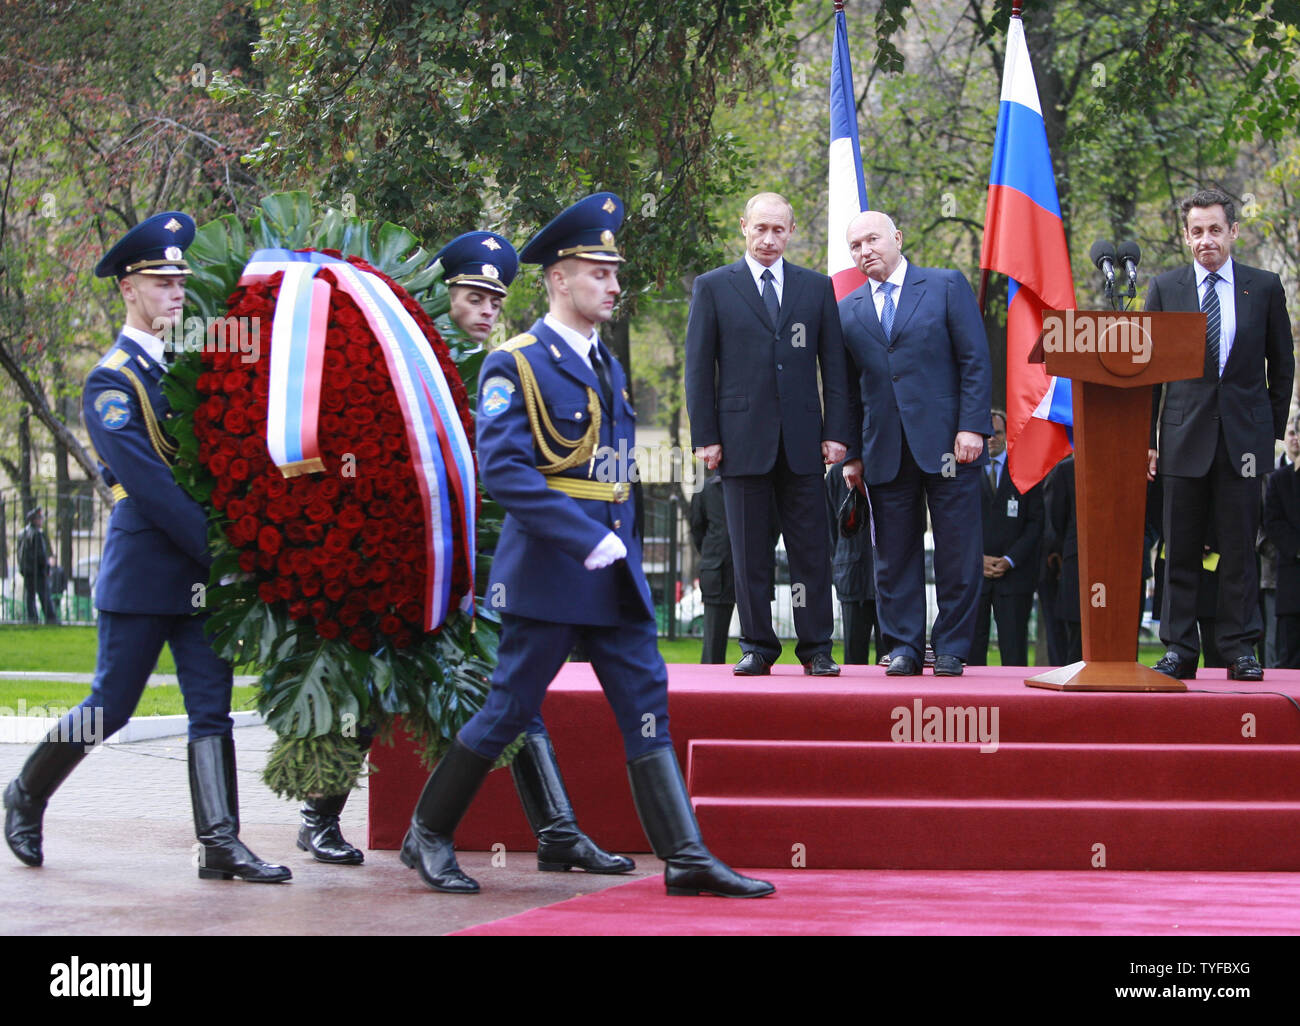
669,822
28,793
320,833
214,795
561,846
446,797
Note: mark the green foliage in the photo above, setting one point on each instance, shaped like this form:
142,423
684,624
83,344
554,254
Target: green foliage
433,112
300,768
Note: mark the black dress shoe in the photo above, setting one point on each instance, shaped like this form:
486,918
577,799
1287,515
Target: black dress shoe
1245,668
821,665
947,666
1171,664
903,666
752,665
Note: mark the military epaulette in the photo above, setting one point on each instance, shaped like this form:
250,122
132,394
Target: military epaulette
115,360
518,342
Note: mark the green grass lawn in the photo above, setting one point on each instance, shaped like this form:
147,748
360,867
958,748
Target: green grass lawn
160,701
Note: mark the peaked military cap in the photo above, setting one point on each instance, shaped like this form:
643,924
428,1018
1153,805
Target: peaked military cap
480,260
154,246
585,230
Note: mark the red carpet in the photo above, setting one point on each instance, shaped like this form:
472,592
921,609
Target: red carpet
811,903
875,772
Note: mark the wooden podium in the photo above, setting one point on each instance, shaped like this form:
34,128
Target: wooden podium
1113,359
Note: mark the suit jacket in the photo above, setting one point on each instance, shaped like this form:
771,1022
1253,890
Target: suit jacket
751,383
931,380
1282,526
1062,536
1016,537
1251,397
709,532
537,570
156,549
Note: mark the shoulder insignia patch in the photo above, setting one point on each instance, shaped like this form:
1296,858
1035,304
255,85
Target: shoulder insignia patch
518,342
114,409
497,392
116,359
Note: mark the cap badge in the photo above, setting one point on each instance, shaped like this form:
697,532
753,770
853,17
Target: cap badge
172,225
607,238
608,206
491,243
490,272
172,253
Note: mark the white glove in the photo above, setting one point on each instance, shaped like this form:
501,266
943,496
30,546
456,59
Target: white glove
609,549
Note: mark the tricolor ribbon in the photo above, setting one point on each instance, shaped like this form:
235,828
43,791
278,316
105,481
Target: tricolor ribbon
440,451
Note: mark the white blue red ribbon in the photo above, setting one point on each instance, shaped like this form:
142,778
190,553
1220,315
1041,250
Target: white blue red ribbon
440,451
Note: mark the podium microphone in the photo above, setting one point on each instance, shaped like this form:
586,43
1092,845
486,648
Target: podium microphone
1103,255
1130,256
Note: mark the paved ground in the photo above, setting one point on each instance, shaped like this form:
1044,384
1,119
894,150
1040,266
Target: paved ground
118,851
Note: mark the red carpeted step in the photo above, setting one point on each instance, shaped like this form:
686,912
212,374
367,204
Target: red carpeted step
885,769
997,834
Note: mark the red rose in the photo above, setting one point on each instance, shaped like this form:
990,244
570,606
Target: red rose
390,625
335,590
269,540
266,592
361,639
328,629
239,469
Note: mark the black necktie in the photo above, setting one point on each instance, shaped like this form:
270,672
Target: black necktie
769,296
1213,319
602,375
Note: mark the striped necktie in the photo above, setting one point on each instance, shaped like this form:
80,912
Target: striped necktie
887,309
1213,318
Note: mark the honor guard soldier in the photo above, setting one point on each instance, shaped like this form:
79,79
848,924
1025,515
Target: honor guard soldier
478,268
553,404
154,564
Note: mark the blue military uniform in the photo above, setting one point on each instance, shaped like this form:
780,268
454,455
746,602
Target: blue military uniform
155,560
150,591
554,519
555,438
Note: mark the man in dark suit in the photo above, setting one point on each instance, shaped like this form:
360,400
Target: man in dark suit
853,570
920,414
154,565
1282,527
759,331
1013,528
717,577
1216,435
553,403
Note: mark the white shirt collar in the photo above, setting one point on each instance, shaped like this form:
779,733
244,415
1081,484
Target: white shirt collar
151,344
896,278
1224,272
579,343
757,269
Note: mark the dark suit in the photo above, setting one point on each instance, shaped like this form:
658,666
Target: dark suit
547,599
1282,528
717,576
751,386
1013,527
853,572
915,391
1215,440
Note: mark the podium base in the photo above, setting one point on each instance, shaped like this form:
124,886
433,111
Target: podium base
1105,676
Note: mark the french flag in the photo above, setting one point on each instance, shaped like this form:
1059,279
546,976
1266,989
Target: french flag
1025,240
848,192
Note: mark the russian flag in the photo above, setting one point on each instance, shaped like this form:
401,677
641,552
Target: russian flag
1025,240
847,195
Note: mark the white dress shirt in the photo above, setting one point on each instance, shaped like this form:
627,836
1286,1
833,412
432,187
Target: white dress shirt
1227,306
778,274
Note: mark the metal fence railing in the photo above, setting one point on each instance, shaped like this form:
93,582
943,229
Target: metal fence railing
74,524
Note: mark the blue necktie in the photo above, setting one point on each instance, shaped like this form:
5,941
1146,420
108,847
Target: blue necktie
769,297
887,310
1213,317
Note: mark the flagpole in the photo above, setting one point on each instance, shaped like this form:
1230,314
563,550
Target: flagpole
1016,10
